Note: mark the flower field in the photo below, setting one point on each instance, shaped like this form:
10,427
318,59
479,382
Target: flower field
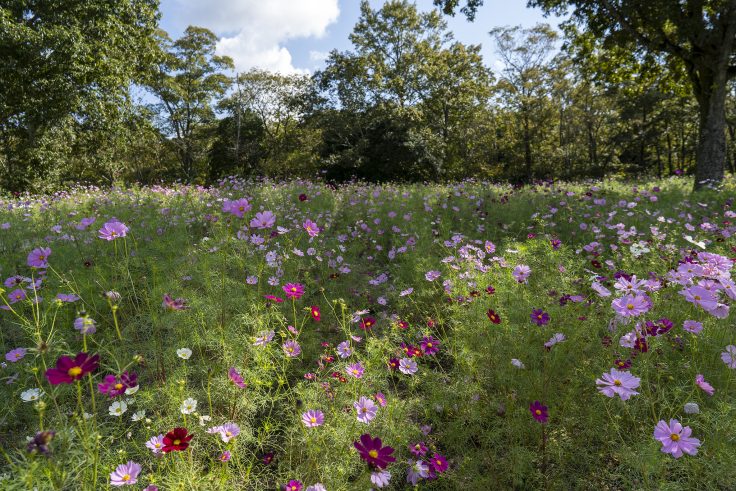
296,336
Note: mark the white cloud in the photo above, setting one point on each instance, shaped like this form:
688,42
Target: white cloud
253,32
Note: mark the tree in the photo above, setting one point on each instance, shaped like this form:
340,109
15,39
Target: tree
700,34
189,84
67,68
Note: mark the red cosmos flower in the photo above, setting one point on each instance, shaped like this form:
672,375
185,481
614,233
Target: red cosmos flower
493,316
176,440
403,325
393,364
316,314
367,323
68,370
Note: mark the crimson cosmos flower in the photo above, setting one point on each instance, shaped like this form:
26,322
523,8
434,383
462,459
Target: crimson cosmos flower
176,440
69,369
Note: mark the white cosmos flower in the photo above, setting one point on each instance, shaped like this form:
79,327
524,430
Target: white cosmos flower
139,415
118,408
131,390
31,395
184,353
188,406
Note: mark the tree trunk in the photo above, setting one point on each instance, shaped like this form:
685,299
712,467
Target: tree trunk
710,157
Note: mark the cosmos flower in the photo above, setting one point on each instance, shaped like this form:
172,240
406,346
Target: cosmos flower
521,273
311,228
356,370
729,356
408,366
366,409
631,305
293,290
263,220
556,338
113,230
188,406
125,474
539,411
493,316
417,470
316,314
293,485
373,452
184,353
236,378
380,478
85,325
117,408
539,317
15,355
616,382
263,338
39,257
225,456
69,370
705,386
693,327
419,449
39,444
438,463
176,440
170,303
430,346
381,399
344,349
237,208
31,395
675,438
227,431
366,323
114,386
291,348
156,444
313,418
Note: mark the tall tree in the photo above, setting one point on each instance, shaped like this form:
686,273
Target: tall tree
189,84
66,67
700,34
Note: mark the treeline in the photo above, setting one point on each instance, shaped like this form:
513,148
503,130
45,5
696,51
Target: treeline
95,92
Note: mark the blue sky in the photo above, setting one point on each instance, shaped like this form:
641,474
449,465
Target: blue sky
295,35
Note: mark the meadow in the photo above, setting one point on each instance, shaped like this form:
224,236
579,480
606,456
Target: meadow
293,335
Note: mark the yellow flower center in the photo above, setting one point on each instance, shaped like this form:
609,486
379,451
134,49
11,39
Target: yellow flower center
118,386
228,434
538,412
313,419
697,297
674,437
630,306
74,371
373,453
617,383
41,258
177,442
126,477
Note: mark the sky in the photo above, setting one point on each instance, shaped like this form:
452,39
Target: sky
295,36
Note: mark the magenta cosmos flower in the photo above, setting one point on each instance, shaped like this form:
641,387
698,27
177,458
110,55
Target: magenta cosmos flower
236,378
616,382
293,290
68,370
39,257
311,228
114,386
539,411
539,317
438,463
676,439
430,346
125,474
113,230
293,485
313,418
373,452
631,305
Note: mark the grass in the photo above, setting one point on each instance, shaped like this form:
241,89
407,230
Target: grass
467,402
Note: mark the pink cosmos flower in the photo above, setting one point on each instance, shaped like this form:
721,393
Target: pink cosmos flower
521,273
701,297
236,378
356,370
676,439
366,409
291,348
125,474
113,230
408,366
39,258
313,418
238,207
617,382
631,305
693,327
311,228
729,356
227,431
263,219
155,444
15,355
705,386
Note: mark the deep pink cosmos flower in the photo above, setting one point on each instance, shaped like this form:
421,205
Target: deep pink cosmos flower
293,290
236,378
676,439
273,298
114,386
113,230
539,411
39,258
631,305
438,463
68,370
316,314
125,474
705,386
429,345
174,304
373,452
419,449
293,485
616,382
